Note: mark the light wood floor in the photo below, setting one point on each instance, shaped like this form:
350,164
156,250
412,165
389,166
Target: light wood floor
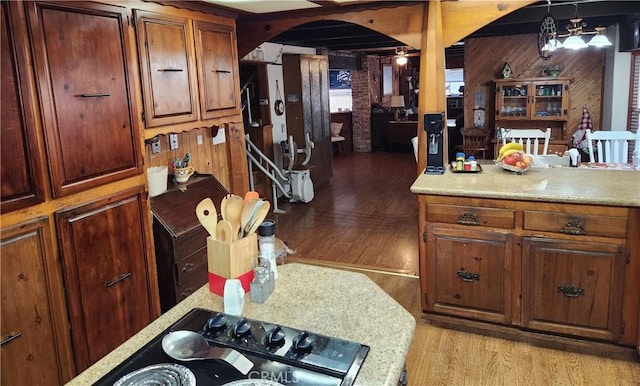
366,220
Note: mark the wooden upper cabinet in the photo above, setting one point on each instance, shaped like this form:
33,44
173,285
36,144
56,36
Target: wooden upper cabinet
21,167
82,64
111,291
167,68
217,69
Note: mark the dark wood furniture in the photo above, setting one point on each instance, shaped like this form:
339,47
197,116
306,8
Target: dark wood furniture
21,176
399,133
87,101
555,268
110,291
475,142
179,239
35,348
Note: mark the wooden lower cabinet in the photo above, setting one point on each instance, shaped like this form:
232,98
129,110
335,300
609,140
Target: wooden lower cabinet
111,288
469,273
564,270
35,347
573,288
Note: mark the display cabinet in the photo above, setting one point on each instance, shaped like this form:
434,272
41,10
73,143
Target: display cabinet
535,99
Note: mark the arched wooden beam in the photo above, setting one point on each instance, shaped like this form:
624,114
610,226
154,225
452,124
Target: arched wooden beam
401,22
463,17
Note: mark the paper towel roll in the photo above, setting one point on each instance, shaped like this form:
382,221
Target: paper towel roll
157,179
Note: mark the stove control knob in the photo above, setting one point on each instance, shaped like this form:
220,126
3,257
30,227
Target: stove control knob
241,329
302,343
216,324
275,338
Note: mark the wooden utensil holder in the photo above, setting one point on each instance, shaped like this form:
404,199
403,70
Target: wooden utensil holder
234,260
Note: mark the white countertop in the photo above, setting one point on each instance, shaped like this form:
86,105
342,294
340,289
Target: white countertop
564,184
331,302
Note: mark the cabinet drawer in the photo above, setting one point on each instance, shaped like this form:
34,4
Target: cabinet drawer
192,267
187,288
190,243
471,215
576,224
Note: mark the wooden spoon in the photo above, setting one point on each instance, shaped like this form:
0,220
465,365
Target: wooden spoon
233,211
224,232
248,211
259,217
207,215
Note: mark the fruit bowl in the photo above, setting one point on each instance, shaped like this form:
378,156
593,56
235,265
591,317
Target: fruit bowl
511,168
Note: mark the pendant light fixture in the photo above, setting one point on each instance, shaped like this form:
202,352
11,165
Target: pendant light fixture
548,36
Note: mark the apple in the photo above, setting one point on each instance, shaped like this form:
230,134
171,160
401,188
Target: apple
521,165
518,156
527,159
509,161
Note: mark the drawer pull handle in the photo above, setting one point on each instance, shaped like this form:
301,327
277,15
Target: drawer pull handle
119,279
187,267
9,338
573,227
571,291
187,291
95,95
170,70
222,71
468,219
468,276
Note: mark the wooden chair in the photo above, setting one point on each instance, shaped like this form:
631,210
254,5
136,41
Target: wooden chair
336,138
528,138
611,146
475,141
414,143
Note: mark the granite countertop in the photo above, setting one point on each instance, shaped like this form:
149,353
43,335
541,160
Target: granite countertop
564,184
327,301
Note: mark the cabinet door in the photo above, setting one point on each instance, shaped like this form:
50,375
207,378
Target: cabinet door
548,100
216,52
110,292
469,273
306,86
85,93
35,349
512,101
166,68
572,287
21,173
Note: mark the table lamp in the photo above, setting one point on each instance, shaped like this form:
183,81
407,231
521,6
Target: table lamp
397,101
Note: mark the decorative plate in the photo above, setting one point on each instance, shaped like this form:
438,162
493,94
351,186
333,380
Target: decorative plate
511,168
166,374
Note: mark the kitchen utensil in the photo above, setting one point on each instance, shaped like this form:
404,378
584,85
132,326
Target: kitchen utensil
248,211
250,195
207,215
191,346
224,232
259,216
233,205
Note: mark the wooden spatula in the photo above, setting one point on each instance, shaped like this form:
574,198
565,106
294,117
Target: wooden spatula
207,215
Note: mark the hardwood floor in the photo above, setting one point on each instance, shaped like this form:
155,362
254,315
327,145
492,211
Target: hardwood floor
366,216
366,220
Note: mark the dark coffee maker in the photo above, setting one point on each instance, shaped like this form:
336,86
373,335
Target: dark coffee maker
434,126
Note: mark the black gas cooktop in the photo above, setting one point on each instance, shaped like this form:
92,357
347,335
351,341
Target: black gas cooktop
280,354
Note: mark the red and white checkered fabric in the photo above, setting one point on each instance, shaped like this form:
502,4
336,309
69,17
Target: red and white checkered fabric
580,136
585,123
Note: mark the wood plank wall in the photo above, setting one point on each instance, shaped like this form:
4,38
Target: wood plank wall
485,57
206,158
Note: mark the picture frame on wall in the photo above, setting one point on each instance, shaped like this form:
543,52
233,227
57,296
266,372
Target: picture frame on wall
340,79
